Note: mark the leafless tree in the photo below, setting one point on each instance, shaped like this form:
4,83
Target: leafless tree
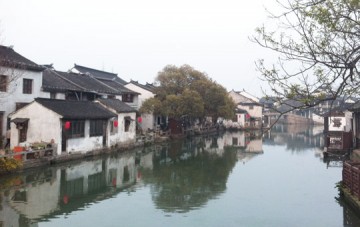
318,47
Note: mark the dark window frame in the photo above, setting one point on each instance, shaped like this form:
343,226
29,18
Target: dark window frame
52,95
127,123
27,86
128,98
77,129
3,83
96,127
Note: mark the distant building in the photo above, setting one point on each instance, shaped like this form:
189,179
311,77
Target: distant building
250,111
146,91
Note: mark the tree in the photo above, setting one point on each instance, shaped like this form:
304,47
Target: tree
185,91
318,42
10,71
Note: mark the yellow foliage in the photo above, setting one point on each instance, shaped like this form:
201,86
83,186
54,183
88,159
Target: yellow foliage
9,164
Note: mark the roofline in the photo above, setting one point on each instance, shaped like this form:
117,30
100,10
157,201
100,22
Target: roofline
95,69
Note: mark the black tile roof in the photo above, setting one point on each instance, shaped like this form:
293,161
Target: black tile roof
355,107
89,83
289,105
53,81
98,74
117,105
62,81
76,109
117,86
147,86
10,58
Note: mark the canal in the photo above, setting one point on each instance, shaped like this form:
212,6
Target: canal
279,178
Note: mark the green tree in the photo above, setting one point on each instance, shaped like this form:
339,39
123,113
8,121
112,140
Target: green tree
318,42
185,91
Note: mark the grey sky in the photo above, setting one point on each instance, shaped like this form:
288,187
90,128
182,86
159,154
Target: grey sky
137,38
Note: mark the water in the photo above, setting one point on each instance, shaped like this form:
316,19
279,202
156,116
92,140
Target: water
235,179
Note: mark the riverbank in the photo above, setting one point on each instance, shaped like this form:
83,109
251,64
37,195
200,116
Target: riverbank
24,162
349,186
142,140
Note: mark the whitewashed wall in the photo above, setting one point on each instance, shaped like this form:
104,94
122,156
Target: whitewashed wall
255,112
144,94
14,92
86,143
317,119
345,122
122,137
148,120
241,118
44,125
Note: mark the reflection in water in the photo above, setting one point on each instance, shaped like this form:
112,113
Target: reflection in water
297,137
188,178
182,176
41,195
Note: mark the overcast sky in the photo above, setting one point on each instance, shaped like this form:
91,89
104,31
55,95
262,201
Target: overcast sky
137,38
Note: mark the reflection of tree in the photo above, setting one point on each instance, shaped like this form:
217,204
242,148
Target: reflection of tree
186,185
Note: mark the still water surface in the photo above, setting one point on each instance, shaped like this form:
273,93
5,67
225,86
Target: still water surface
232,179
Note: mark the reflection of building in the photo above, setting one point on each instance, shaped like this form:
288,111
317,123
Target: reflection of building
41,195
295,136
247,141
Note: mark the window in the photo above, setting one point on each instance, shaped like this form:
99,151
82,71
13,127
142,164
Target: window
3,83
128,98
235,141
113,126
127,123
96,127
251,107
77,129
53,95
27,86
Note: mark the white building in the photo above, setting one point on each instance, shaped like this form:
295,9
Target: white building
250,107
149,121
75,126
125,130
20,83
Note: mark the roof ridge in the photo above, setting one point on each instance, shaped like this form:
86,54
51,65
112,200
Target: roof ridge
68,79
104,84
98,70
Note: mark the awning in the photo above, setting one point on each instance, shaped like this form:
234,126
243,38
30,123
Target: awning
20,120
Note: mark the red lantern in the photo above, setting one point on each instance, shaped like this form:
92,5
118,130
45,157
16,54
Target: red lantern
139,119
247,116
67,125
116,123
66,199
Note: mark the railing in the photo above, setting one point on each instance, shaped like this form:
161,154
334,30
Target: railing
31,154
351,177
